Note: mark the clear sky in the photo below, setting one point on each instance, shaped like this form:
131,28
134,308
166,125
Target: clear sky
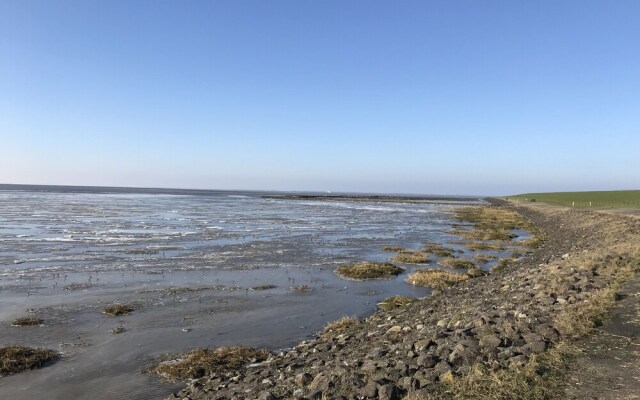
446,97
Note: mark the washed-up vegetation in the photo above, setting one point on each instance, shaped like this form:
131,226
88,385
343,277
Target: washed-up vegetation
452,262
174,291
264,287
27,321
435,278
391,303
14,359
118,309
410,257
78,286
368,270
202,362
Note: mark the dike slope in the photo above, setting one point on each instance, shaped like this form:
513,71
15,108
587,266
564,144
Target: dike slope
495,336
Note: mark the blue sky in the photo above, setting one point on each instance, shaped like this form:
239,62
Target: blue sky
463,97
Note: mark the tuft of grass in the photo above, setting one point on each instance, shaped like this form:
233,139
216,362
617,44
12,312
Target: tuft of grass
27,321
410,257
533,242
435,278
475,272
483,258
14,359
197,363
438,250
368,270
340,326
117,330
475,246
118,309
456,263
391,303
78,286
141,251
300,288
395,249
502,264
484,234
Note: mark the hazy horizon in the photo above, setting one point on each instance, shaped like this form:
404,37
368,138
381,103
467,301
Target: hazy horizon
446,98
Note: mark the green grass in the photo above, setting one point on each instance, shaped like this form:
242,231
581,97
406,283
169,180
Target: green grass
602,199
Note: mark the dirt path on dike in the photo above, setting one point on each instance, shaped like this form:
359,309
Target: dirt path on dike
608,366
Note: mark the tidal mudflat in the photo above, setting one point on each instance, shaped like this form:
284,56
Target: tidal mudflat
193,270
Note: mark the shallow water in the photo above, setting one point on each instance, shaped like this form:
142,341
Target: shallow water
63,256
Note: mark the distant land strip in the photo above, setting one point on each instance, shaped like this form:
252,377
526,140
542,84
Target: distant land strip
377,198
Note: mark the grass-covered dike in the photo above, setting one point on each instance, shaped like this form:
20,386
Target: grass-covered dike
594,199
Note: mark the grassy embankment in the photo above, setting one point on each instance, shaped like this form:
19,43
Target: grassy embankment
600,199
615,260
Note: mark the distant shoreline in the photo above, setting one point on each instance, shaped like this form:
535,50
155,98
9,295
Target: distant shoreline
378,198
272,194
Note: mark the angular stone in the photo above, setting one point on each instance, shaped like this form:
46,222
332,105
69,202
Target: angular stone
266,396
369,390
427,360
388,392
394,329
490,342
304,379
534,347
317,395
517,361
531,337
